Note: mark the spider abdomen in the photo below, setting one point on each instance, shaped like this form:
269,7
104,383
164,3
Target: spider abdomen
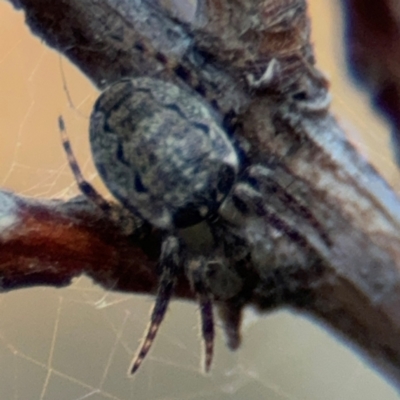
161,151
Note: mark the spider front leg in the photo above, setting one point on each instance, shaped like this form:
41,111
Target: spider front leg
171,264
85,187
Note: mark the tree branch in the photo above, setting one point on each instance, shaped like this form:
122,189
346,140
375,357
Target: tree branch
329,242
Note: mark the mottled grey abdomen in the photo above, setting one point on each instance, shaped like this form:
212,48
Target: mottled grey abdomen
161,151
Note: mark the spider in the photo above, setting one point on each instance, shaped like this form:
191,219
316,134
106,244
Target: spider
162,153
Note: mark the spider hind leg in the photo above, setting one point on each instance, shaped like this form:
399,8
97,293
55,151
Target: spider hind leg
196,269
171,265
207,329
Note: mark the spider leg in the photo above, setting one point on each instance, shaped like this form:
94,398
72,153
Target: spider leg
246,199
85,187
207,329
231,314
255,198
171,264
196,274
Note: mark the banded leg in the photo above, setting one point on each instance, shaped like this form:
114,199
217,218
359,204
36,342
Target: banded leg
266,184
196,270
171,265
247,199
207,329
85,187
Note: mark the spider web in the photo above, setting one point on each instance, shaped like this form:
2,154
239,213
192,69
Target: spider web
77,343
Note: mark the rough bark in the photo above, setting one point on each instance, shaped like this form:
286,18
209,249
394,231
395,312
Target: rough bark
329,242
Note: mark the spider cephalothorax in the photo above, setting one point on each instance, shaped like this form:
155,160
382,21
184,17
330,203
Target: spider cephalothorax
162,153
